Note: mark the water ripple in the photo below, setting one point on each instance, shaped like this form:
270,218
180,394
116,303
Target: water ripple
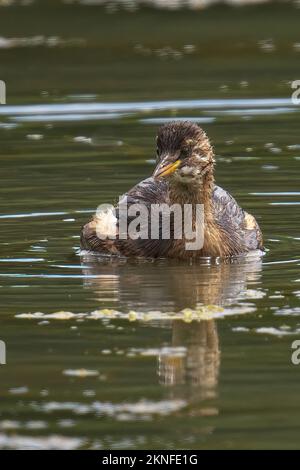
140,106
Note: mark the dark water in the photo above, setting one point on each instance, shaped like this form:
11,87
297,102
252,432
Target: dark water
107,354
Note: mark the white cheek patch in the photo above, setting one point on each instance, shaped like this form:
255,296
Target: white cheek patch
186,171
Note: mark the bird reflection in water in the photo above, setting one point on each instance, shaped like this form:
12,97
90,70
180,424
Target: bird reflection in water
192,361
198,364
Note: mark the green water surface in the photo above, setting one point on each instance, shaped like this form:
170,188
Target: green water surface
86,91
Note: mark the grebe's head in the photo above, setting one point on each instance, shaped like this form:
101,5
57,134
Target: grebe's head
184,153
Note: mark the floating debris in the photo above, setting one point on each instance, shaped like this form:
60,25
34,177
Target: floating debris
201,312
189,48
35,425
132,316
165,52
89,393
275,150
294,147
187,315
81,373
254,294
267,45
45,316
295,311
239,329
9,425
296,46
106,351
275,331
34,136
40,41
19,390
53,442
166,351
141,409
270,167
66,423
83,139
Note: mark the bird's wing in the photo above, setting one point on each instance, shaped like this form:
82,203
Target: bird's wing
145,193
230,215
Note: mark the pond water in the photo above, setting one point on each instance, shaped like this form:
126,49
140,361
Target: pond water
116,354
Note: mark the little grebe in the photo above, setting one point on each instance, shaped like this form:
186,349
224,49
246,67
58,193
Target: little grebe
184,175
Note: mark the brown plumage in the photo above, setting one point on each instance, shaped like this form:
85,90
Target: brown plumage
184,175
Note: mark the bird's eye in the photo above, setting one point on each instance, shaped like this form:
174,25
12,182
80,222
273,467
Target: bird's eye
184,153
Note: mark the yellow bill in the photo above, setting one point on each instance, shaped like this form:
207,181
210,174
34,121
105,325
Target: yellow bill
166,170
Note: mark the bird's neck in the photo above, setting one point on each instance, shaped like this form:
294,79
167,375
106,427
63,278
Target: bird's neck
193,193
